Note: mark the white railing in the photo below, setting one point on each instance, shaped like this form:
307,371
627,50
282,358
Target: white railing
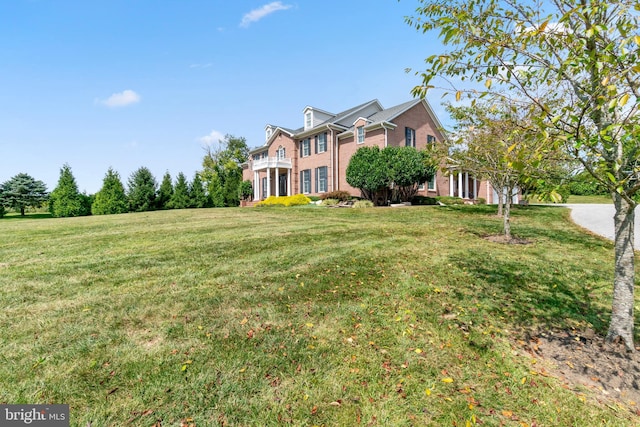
271,162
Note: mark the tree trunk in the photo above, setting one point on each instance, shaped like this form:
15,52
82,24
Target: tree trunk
21,210
500,203
624,278
507,215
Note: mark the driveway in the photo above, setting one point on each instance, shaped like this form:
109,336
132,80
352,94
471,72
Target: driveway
598,219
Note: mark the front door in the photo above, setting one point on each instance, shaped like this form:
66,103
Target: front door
282,183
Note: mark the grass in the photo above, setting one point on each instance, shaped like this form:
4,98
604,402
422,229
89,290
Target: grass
297,317
590,199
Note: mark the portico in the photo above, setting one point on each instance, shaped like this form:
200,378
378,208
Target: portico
268,170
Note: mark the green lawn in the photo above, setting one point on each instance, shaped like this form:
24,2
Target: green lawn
312,316
590,199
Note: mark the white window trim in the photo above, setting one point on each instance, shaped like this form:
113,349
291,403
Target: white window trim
358,129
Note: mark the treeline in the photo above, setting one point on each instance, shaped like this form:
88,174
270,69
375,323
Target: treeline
219,184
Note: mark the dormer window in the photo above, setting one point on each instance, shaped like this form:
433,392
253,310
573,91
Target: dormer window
307,120
269,132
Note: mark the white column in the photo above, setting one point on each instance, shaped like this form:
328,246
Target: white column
475,188
256,186
460,184
277,182
451,183
289,182
268,182
466,185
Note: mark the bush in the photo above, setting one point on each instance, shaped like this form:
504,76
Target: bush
481,201
330,202
449,200
340,195
363,204
296,200
423,201
246,190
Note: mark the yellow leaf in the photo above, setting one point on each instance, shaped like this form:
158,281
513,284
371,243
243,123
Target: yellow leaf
523,380
458,95
507,413
309,325
242,370
428,392
511,148
605,81
447,380
418,350
243,321
487,84
543,26
623,100
637,40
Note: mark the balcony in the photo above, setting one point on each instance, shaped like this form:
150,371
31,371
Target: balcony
271,162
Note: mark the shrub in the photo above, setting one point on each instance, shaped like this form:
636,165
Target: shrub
246,190
363,204
340,195
449,200
481,201
423,201
330,202
296,200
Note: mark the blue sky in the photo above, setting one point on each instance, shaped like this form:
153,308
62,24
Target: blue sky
131,83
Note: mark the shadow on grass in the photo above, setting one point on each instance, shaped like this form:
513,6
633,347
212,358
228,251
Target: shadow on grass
547,294
28,216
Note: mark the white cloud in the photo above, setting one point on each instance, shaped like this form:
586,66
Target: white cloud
257,14
213,138
122,99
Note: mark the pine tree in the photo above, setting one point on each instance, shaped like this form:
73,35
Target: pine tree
165,192
180,198
197,195
111,199
65,200
142,187
22,191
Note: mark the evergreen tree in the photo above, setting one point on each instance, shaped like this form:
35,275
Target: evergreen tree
165,191
65,199
142,187
197,195
180,198
111,199
22,191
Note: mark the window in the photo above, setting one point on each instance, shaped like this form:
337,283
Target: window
264,187
321,179
269,133
281,153
305,147
321,143
305,181
307,120
431,184
409,137
431,139
264,155
256,157
360,134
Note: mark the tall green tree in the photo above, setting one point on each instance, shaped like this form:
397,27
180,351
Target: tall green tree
65,200
197,194
142,190
111,199
180,198
577,61
23,191
222,171
165,191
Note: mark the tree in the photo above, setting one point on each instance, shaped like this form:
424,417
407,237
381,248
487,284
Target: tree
197,195
65,200
21,192
500,143
222,171
111,199
180,198
142,187
577,61
246,190
391,173
165,191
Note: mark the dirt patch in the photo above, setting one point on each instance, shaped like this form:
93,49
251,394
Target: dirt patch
584,362
501,238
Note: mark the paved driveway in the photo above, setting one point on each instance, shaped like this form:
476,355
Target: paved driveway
599,219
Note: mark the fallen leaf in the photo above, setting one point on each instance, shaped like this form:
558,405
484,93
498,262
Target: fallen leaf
447,380
243,321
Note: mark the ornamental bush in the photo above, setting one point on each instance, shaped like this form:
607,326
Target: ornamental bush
287,201
363,204
340,195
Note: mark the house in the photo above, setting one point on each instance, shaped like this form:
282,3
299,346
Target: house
313,159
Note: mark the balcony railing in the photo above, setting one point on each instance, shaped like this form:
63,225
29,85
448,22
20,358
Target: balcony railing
271,162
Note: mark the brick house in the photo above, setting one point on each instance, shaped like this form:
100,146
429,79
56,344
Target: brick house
313,159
